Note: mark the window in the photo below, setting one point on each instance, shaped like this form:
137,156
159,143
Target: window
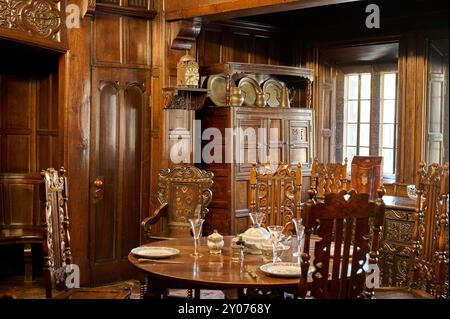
388,122
369,121
357,97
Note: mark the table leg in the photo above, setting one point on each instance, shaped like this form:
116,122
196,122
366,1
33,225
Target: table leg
27,254
154,291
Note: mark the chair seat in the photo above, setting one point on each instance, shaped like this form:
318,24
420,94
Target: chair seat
400,293
94,293
16,236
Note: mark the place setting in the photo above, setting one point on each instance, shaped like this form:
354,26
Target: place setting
151,254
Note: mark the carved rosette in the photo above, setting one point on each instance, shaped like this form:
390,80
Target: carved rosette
42,18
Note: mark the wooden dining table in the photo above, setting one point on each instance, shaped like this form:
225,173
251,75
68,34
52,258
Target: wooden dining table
212,271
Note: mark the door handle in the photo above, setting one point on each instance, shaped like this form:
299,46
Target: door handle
99,186
98,183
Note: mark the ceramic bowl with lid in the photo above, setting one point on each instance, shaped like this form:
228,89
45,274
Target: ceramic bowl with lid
254,237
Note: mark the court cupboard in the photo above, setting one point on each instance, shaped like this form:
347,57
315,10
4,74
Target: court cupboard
100,98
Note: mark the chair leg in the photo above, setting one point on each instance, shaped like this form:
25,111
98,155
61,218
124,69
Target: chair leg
143,288
27,254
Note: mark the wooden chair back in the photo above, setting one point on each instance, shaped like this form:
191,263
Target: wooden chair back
183,189
276,191
55,224
343,223
428,262
328,177
366,175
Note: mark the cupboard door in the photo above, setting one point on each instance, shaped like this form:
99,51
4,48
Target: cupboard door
298,135
251,143
276,151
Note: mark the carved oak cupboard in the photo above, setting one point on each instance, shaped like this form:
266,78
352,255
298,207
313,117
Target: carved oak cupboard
294,132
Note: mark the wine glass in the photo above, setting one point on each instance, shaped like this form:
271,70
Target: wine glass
276,234
257,217
300,232
196,226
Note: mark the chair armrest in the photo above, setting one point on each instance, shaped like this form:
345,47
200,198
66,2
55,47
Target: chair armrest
157,214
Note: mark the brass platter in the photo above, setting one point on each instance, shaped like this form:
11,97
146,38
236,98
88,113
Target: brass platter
217,86
272,89
249,88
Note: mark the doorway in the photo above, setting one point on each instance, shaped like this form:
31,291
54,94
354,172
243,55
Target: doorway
116,165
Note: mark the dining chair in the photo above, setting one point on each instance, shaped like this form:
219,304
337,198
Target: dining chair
348,245
328,177
180,191
428,261
57,257
276,190
366,174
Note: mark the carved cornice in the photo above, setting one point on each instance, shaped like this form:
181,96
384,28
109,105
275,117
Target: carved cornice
41,18
185,33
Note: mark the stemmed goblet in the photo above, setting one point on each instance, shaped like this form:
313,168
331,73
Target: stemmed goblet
196,226
300,232
257,218
276,234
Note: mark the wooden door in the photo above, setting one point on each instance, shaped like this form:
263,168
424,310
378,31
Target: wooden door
117,121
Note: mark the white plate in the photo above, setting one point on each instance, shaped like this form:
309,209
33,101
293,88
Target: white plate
155,252
281,269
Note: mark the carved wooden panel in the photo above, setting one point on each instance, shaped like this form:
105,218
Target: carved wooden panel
34,21
19,204
121,40
239,41
108,39
137,35
396,246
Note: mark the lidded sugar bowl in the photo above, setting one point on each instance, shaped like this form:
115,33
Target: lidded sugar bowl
215,242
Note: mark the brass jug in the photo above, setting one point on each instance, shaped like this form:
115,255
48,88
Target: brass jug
284,97
260,100
237,98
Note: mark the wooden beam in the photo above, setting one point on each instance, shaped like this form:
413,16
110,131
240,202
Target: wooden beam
227,9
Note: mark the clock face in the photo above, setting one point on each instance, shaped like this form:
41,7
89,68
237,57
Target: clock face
191,76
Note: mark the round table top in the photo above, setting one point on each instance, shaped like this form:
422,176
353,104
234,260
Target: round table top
214,270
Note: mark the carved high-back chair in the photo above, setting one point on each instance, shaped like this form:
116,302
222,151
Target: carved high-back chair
328,177
428,264
276,190
340,260
367,174
181,191
428,261
56,246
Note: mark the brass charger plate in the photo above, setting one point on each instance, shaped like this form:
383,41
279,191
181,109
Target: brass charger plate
217,86
272,88
249,88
